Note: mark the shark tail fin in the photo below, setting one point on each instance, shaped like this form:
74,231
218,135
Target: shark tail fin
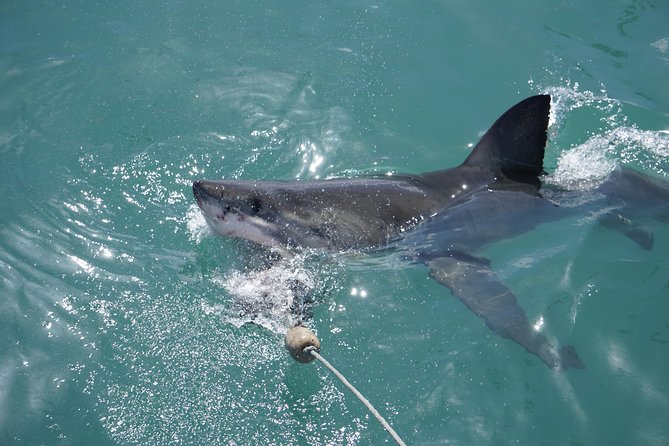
568,358
516,141
624,225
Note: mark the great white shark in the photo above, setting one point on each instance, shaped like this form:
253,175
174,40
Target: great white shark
442,218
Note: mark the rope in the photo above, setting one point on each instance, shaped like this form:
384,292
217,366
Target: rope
312,350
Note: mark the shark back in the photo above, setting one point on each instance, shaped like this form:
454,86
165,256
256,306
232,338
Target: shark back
368,212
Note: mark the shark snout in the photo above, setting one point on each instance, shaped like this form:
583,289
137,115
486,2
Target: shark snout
197,192
204,191
210,197
219,197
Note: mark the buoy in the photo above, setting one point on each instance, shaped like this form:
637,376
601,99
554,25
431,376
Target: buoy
297,339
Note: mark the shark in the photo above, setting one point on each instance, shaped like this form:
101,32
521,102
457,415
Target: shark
442,219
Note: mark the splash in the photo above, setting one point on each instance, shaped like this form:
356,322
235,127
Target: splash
276,298
567,99
196,224
614,143
584,166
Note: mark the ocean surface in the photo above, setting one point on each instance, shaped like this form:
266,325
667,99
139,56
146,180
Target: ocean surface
124,321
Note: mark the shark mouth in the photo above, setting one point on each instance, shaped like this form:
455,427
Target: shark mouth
236,224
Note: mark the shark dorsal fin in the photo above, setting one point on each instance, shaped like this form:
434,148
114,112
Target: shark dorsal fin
516,141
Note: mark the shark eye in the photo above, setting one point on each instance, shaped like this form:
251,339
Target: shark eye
255,205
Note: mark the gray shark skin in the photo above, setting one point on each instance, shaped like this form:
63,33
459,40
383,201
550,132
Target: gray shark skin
441,218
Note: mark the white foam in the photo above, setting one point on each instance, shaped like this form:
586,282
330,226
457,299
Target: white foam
662,45
586,165
196,224
271,297
565,100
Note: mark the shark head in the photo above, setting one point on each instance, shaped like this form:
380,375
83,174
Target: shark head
358,213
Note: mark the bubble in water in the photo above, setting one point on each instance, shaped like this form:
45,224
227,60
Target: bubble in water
586,165
196,224
276,298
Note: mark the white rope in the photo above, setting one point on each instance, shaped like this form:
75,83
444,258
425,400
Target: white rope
368,405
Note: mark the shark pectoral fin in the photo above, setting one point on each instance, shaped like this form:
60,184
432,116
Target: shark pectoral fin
472,281
618,222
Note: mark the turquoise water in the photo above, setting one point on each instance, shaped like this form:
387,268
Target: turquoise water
120,318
